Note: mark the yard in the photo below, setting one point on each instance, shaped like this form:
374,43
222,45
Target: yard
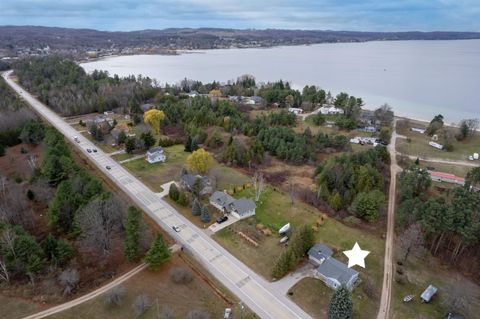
418,145
275,210
162,293
17,307
154,175
421,272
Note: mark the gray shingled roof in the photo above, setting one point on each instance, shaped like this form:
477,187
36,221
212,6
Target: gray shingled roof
428,293
243,205
222,199
333,268
190,179
319,251
154,150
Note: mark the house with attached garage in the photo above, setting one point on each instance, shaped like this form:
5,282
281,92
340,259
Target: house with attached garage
331,271
195,183
240,208
155,155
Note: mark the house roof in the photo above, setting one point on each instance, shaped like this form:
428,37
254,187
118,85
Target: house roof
319,251
190,179
332,268
222,199
429,292
243,205
155,150
446,175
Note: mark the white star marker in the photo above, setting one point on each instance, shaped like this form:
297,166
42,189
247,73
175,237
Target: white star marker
356,256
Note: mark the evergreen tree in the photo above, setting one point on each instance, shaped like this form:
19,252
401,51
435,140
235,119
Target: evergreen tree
130,145
173,192
132,233
205,215
188,144
341,304
157,254
196,208
122,137
194,145
182,199
148,139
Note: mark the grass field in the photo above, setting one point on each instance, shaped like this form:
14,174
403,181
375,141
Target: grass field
419,145
13,308
274,210
122,157
458,170
161,291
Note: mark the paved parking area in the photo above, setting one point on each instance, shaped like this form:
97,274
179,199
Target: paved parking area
216,227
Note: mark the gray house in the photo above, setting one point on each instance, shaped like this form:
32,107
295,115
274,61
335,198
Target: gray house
188,182
331,271
240,208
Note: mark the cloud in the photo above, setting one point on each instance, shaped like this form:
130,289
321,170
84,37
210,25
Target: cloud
368,15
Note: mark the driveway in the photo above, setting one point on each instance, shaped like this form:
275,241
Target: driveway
283,285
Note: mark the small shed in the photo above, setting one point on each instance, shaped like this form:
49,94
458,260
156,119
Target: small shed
429,293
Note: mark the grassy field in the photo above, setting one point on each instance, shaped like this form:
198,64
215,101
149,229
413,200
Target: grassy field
418,146
122,157
13,308
274,210
421,272
314,297
161,291
447,168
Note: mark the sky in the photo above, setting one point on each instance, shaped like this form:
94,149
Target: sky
357,15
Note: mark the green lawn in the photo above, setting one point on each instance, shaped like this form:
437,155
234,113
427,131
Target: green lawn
314,297
447,168
274,210
419,146
122,157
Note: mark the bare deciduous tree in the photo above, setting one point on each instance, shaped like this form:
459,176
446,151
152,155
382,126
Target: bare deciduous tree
292,192
7,241
4,274
181,275
99,221
411,240
114,297
258,184
68,279
141,305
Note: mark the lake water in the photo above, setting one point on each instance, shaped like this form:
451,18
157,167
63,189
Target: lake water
417,78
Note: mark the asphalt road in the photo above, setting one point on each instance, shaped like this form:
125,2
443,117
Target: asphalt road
257,293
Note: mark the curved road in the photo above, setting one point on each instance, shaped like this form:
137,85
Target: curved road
385,300
253,290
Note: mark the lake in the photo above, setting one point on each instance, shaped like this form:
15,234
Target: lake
417,78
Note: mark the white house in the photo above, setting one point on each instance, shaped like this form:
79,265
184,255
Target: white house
295,110
331,271
418,130
155,155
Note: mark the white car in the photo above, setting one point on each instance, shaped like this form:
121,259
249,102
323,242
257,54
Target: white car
176,228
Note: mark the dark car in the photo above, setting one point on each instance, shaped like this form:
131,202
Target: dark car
94,150
89,150
222,219
108,167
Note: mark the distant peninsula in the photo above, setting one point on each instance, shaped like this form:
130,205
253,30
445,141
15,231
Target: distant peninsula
17,41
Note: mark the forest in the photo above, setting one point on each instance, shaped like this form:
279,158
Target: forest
448,223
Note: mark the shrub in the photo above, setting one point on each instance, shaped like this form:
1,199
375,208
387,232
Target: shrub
183,199
173,192
30,195
141,305
181,275
114,296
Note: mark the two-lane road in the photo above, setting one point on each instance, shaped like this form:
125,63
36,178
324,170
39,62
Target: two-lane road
253,290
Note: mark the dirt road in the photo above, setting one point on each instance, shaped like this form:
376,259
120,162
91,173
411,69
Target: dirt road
386,298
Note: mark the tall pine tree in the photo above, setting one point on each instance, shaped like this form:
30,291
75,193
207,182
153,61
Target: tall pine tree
341,304
157,254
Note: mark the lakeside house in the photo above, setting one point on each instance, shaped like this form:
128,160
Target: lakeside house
332,110
155,155
240,208
331,271
446,177
192,181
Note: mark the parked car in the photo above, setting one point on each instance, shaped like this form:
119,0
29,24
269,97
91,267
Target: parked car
222,219
176,228
452,315
94,150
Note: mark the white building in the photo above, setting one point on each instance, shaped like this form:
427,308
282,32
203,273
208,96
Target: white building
418,130
155,155
295,110
436,145
330,110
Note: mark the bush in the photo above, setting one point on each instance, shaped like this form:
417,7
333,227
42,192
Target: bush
166,142
181,275
173,192
141,305
114,296
183,199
